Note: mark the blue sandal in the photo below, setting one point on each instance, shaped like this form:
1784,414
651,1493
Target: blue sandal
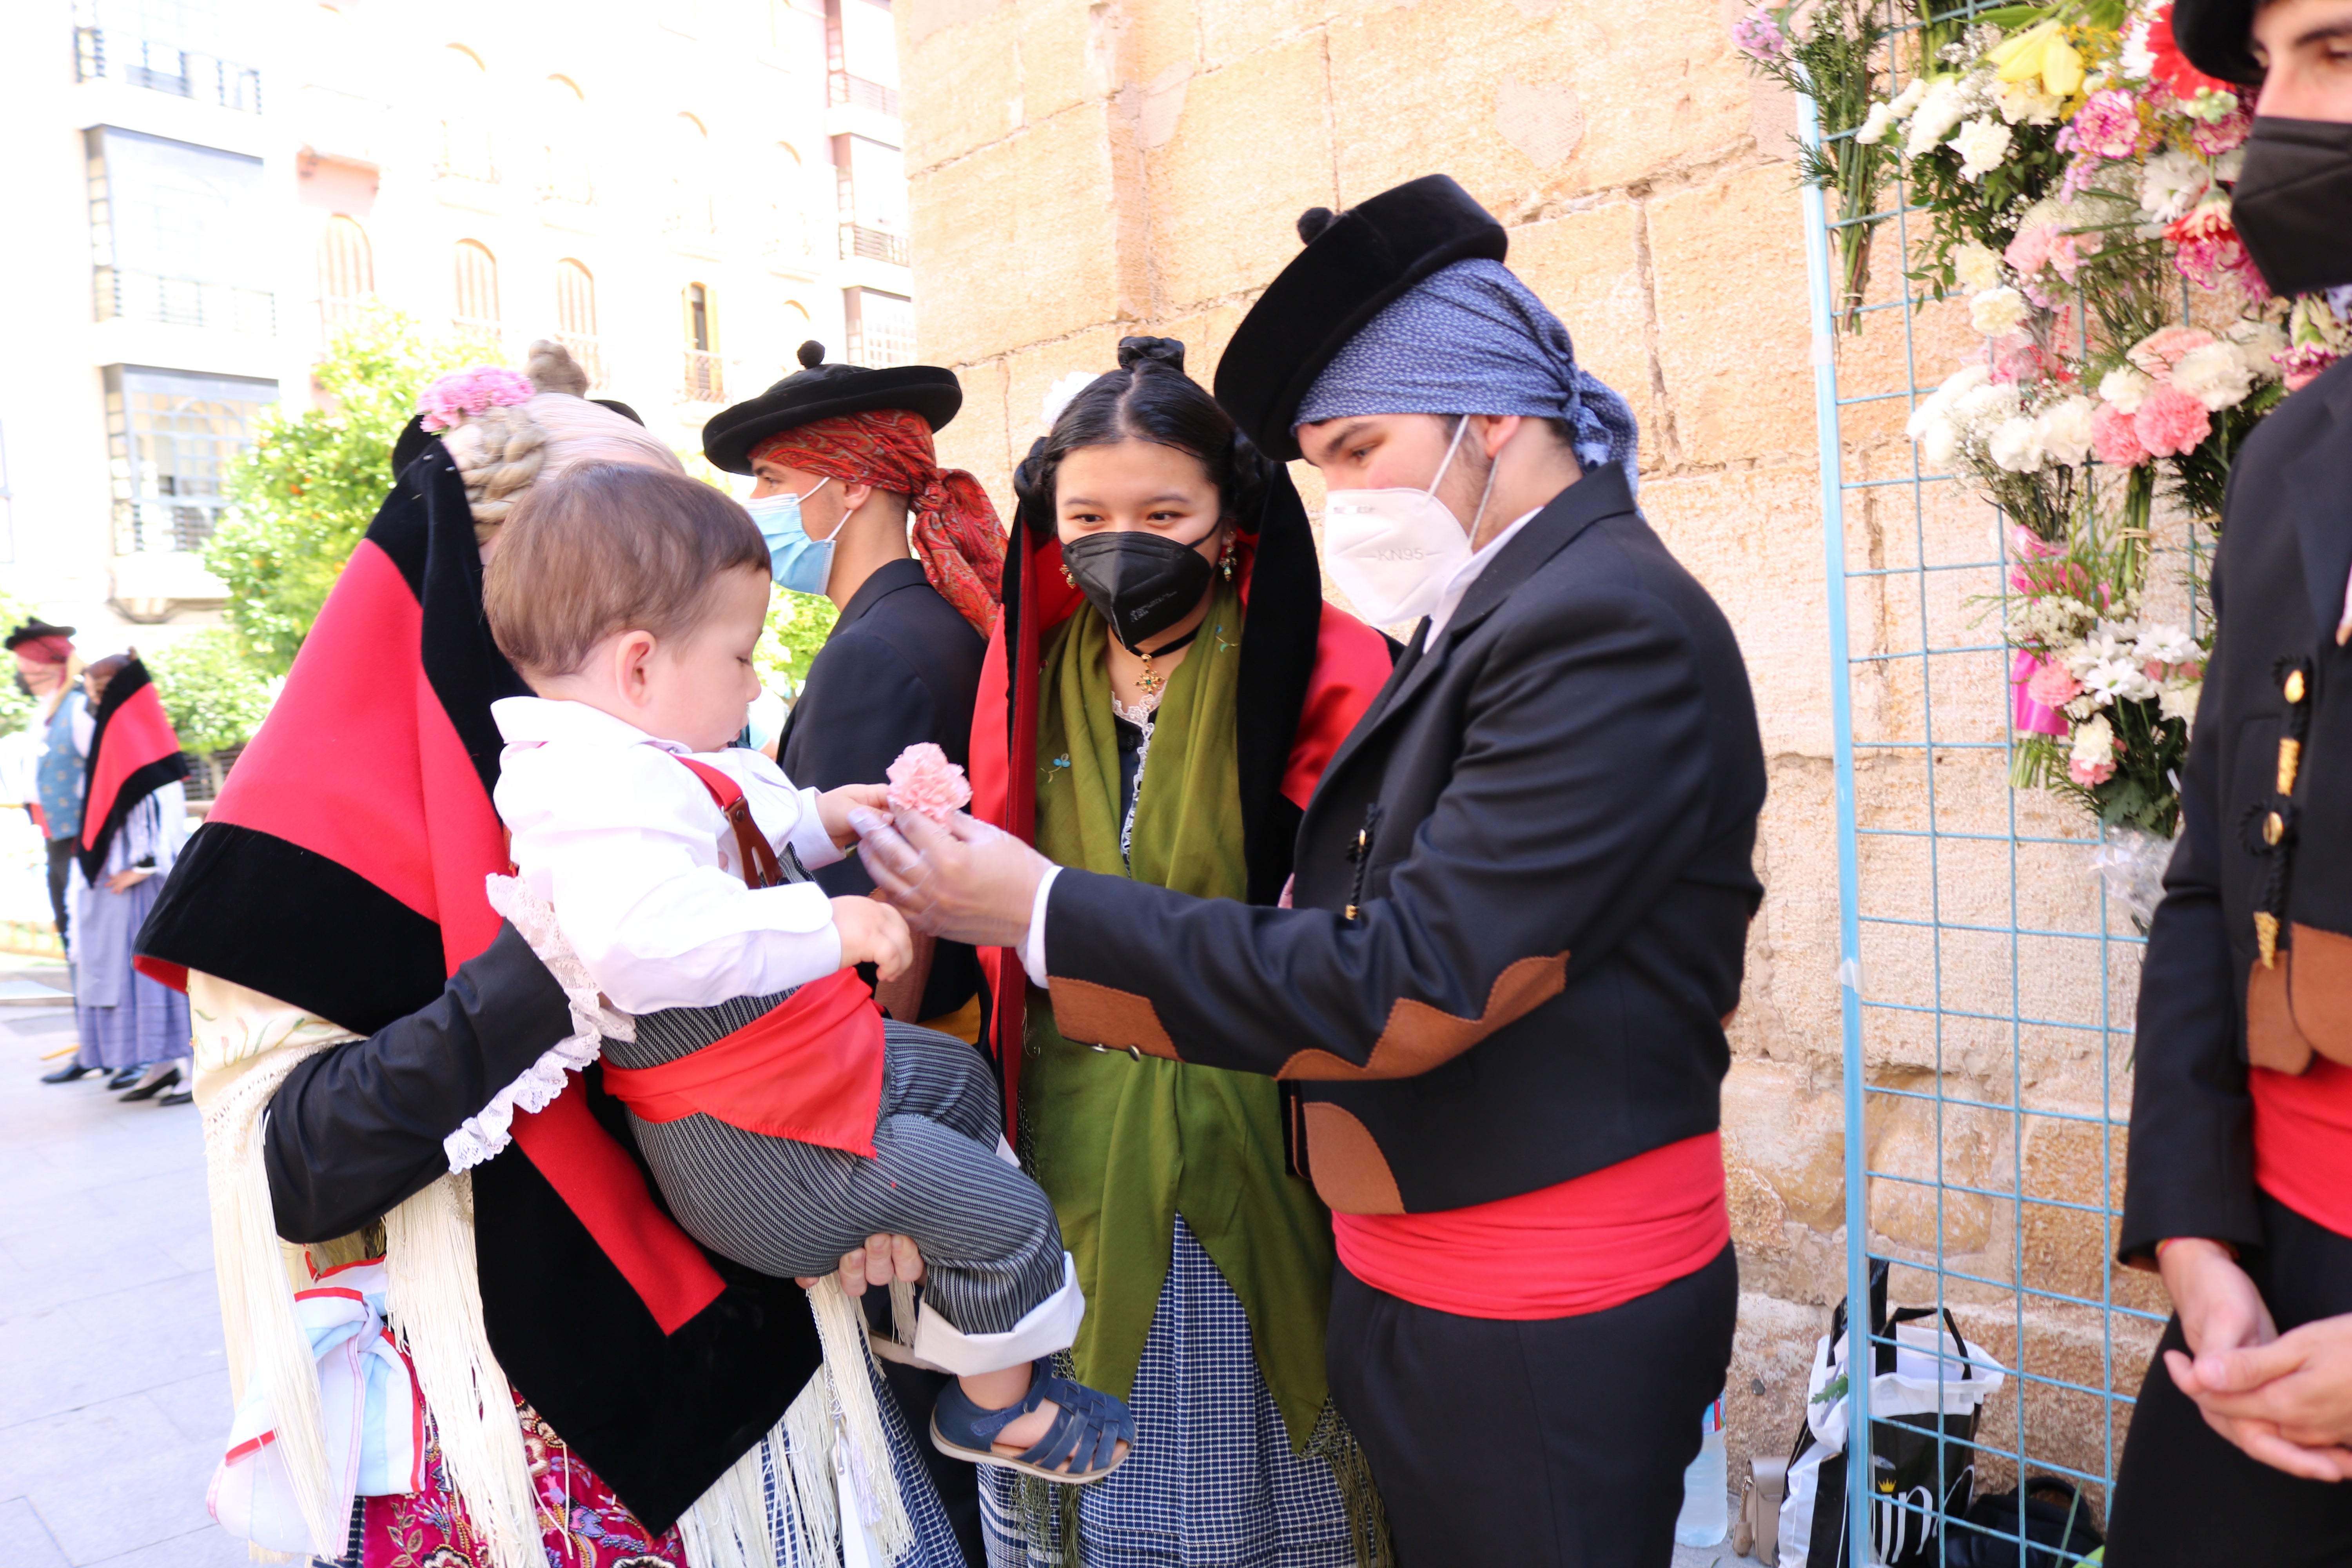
1085,1437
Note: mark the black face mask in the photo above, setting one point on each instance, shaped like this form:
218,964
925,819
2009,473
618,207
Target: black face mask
1143,583
2293,204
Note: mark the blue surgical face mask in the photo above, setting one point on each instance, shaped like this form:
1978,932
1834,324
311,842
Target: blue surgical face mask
800,563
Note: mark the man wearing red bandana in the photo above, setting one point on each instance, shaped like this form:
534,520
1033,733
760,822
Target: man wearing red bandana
855,506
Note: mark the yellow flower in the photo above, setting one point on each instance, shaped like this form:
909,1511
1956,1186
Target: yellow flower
2041,50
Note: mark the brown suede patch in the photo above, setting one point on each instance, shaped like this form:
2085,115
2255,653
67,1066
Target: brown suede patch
1093,1014
1420,1037
2272,1039
2319,991
1352,1175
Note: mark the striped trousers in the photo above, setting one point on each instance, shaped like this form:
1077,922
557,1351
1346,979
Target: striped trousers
992,1251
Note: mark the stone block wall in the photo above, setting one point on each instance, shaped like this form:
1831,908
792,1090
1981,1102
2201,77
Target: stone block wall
1084,171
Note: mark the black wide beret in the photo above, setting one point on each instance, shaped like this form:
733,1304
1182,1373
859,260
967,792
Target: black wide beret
821,390
414,438
34,628
2215,35
1356,263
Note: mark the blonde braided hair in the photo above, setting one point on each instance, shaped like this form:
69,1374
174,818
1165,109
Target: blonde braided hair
500,450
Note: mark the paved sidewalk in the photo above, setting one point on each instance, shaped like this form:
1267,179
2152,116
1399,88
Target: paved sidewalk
115,1391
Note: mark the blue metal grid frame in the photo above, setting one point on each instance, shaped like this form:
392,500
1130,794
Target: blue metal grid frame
1986,987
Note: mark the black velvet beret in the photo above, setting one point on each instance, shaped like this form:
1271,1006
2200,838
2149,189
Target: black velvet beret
35,628
821,390
1356,263
2214,35
414,438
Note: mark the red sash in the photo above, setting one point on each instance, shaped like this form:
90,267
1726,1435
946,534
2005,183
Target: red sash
809,1069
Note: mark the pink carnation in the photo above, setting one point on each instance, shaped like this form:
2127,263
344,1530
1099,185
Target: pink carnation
2115,438
923,780
2226,134
2053,685
463,393
2109,124
2170,422
2208,253
2088,775
2301,364
2157,352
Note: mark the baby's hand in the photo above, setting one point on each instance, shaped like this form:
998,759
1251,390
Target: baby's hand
873,933
832,808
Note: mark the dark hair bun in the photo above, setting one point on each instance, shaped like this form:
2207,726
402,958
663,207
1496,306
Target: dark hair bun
1313,222
1135,351
811,354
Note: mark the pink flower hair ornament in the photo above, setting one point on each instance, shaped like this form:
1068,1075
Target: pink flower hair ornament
463,395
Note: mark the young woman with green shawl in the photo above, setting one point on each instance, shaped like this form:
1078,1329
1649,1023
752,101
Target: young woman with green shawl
1179,751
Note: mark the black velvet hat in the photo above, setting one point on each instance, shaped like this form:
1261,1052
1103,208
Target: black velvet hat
414,438
821,390
2214,34
1356,263
33,629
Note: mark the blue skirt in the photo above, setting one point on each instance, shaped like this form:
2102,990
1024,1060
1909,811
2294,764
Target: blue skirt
123,1017
1212,1482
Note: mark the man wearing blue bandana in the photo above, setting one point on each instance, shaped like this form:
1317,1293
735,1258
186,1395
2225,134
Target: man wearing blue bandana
1520,909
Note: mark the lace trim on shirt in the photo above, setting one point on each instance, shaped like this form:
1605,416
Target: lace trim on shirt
490,1130
1141,716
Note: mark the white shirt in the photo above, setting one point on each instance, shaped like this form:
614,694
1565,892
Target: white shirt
639,863
1033,946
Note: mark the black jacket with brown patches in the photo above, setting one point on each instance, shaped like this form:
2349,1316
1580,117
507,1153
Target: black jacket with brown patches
2265,835
1523,891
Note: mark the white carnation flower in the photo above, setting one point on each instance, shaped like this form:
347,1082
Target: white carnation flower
2094,741
1907,101
1978,412
2016,444
1977,267
2126,386
2230,166
2256,342
2178,699
2215,375
1876,124
1997,312
1059,395
1939,443
2064,431
1965,380
2025,101
2171,184
1944,106
1982,143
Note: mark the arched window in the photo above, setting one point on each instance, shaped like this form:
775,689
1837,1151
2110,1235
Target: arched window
690,177
478,287
575,318
704,380
464,117
564,124
346,270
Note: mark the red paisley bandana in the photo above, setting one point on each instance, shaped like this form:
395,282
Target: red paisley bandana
955,531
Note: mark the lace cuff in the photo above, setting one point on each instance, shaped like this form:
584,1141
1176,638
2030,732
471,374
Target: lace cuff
490,1130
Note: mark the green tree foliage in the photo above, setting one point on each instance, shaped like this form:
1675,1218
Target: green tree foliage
798,625
311,484
16,704
213,691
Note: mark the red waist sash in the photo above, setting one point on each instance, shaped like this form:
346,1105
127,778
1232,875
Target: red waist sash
809,1069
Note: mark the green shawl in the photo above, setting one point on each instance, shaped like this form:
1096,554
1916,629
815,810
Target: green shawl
1123,1146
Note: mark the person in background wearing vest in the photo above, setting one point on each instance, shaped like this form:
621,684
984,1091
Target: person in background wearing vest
2239,1182
1520,904
854,505
46,663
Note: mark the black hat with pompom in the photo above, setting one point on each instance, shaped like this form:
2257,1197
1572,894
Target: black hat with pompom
821,391
1356,263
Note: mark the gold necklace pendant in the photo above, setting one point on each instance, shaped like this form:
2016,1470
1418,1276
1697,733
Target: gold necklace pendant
1150,682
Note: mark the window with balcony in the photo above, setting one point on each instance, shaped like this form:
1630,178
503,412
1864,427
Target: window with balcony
346,271
705,379
564,123
870,181
184,47
174,233
466,152
861,56
169,439
575,318
691,215
477,289
881,327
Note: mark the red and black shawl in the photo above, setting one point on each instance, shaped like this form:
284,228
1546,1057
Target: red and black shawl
1308,671
133,753
342,870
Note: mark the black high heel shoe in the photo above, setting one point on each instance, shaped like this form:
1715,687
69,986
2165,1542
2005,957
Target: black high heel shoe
154,1086
125,1078
69,1073
178,1097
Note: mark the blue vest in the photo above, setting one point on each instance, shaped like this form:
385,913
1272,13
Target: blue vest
58,780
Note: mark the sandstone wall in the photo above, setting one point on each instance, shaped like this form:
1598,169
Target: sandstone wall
1083,171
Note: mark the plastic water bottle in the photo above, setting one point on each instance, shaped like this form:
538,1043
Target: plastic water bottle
1706,1493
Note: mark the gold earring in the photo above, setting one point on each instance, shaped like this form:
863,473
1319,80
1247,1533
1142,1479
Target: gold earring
1072,582
1226,563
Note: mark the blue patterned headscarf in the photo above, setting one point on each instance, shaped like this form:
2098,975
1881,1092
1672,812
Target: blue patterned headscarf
1472,339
